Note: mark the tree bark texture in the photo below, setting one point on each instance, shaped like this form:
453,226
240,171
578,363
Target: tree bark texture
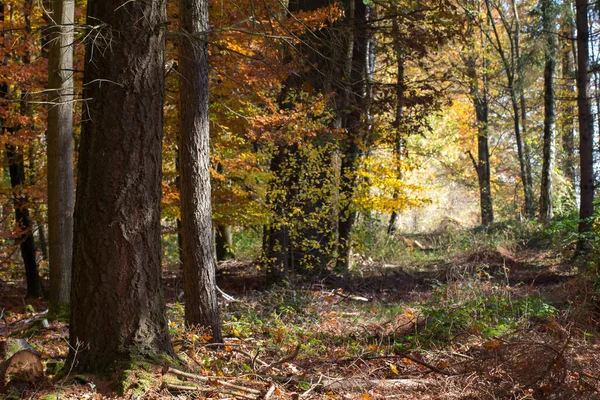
586,205
61,193
117,302
549,25
201,307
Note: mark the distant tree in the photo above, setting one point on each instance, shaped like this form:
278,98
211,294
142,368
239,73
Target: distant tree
61,191
117,303
198,254
513,65
549,15
569,95
586,130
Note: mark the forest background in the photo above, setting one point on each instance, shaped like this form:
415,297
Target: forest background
344,137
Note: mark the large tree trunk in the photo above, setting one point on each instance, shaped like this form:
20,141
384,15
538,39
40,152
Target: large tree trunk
549,25
586,205
61,194
117,302
201,307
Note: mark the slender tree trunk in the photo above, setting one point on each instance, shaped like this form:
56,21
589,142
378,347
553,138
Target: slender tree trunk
223,238
519,86
354,103
201,307
586,208
224,243
399,140
43,240
61,194
117,302
16,167
569,161
549,25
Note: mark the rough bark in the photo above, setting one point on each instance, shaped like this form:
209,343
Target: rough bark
586,204
549,26
201,307
117,302
61,193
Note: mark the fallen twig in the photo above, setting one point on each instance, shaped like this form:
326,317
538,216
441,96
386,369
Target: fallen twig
185,388
282,360
254,359
170,370
269,392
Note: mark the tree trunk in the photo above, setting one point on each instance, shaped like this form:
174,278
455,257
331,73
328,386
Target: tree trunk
117,302
519,86
479,97
586,205
201,307
569,161
549,25
224,243
352,110
399,139
61,194
16,167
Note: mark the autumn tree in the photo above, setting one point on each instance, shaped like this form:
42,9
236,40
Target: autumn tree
117,303
514,68
61,193
17,124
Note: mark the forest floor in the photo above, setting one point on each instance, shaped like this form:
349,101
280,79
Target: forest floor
487,324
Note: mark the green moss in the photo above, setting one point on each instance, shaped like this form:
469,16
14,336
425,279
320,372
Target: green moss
49,396
137,377
59,312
